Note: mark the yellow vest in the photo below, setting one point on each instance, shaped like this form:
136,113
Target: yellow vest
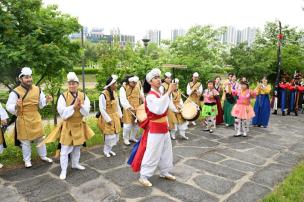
194,97
1,138
166,87
175,118
28,122
111,108
133,96
73,131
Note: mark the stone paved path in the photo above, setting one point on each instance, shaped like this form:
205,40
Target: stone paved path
209,167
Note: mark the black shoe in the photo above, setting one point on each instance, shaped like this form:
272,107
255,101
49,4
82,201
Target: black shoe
288,113
296,113
283,114
275,112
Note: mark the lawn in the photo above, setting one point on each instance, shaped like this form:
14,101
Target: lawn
12,155
291,189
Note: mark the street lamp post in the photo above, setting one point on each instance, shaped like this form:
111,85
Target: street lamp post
146,42
82,61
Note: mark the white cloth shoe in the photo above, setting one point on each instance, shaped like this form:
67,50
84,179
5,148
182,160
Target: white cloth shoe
112,153
127,142
62,175
1,165
145,182
168,177
244,134
78,167
193,123
27,164
107,154
133,140
237,134
173,137
46,159
185,137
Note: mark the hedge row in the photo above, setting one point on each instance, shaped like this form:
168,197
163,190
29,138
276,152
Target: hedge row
78,70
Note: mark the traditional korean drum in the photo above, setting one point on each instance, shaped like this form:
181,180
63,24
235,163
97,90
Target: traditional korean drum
141,113
190,111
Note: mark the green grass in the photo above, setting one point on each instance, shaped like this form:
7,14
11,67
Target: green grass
12,155
87,78
291,189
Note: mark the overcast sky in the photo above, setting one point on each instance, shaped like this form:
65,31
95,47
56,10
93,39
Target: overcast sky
135,17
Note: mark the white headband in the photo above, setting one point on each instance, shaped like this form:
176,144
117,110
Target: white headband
72,77
133,79
154,72
114,79
168,74
26,71
176,80
195,74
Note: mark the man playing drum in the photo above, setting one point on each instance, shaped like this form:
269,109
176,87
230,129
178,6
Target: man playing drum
155,147
109,121
130,97
195,90
176,121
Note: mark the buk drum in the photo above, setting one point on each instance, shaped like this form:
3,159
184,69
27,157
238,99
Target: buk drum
190,111
141,113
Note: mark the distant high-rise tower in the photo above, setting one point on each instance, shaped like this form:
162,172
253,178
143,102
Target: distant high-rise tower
176,33
154,36
248,35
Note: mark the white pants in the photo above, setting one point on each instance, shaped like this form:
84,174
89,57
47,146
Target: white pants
26,149
64,156
181,128
158,153
130,131
1,148
110,141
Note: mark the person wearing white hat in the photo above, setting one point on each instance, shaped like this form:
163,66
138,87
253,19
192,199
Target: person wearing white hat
73,105
195,90
176,121
131,96
110,120
165,83
155,147
3,123
24,102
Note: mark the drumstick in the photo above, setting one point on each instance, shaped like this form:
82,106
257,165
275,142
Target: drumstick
133,115
190,100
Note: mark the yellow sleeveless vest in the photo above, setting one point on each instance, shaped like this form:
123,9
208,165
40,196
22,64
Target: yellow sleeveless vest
194,97
111,109
133,96
28,122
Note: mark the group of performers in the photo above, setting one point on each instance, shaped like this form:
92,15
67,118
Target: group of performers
289,95
163,106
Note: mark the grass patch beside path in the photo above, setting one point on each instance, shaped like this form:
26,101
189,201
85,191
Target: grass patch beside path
12,155
291,189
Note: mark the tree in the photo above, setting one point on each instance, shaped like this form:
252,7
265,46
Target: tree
261,58
35,36
200,50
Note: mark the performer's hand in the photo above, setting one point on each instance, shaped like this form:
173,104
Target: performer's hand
49,98
172,87
77,104
19,102
4,122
